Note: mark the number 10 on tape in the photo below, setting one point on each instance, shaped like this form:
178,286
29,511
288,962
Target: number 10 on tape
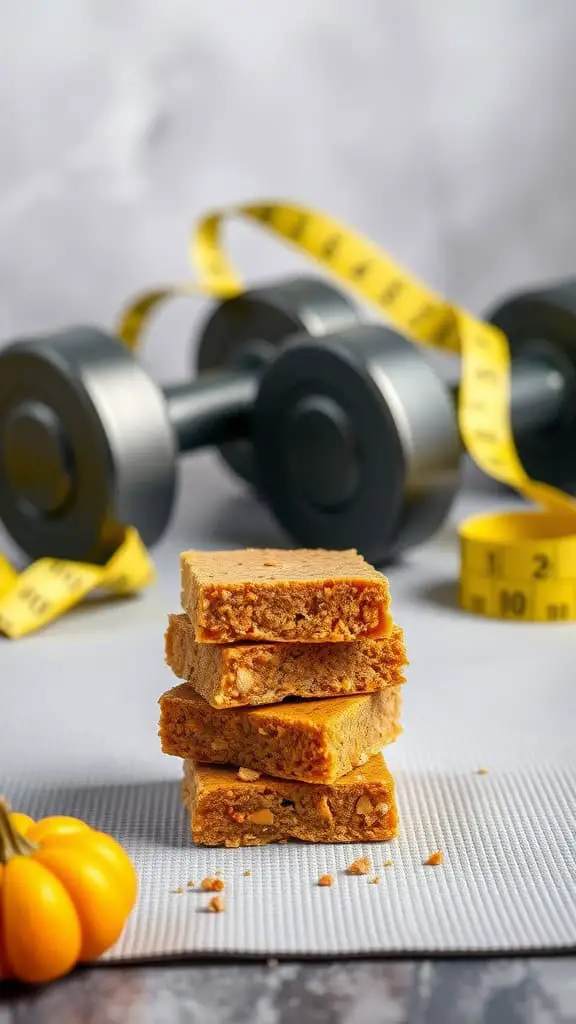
508,576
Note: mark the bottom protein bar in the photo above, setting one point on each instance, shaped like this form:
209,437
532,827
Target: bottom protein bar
229,810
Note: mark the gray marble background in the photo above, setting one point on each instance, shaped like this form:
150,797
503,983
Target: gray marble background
449,992
445,130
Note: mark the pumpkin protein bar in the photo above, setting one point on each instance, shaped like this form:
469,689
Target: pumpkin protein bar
315,741
235,675
224,811
306,595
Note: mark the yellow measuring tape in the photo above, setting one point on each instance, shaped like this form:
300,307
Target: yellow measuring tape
518,565
51,586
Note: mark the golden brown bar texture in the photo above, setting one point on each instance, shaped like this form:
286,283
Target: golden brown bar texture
316,741
306,596
227,811
233,675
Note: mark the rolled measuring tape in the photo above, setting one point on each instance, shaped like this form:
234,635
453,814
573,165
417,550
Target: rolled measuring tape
517,565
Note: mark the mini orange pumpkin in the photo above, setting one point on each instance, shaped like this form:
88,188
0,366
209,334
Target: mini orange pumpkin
66,891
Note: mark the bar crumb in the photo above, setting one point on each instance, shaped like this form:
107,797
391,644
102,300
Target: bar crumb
248,774
482,771
178,891
326,880
359,867
216,905
247,874
375,880
435,858
191,884
212,884
387,864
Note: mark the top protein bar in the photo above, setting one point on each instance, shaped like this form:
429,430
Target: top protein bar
306,595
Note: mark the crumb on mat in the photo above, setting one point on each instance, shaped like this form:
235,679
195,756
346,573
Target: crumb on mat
216,905
387,863
482,771
359,867
375,880
247,874
326,880
435,858
212,884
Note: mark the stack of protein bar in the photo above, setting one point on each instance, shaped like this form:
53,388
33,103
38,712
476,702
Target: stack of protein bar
261,630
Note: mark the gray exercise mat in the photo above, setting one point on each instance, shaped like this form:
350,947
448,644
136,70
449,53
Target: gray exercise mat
78,734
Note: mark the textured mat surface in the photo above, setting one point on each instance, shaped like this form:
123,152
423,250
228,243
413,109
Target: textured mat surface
507,881
78,734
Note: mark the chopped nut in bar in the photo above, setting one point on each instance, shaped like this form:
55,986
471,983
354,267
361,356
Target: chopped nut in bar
306,595
315,741
224,811
248,774
233,675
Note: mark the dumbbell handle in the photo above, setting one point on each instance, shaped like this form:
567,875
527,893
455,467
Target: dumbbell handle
216,408
213,409
538,394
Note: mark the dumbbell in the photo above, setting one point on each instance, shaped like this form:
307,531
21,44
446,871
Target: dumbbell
350,436
89,442
402,453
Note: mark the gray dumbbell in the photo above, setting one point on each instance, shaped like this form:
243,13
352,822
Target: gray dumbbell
350,436
89,442
382,462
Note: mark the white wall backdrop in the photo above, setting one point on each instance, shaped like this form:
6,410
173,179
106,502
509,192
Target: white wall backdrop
446,130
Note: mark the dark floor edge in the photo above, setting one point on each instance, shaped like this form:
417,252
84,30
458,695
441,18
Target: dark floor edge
11,990
216,958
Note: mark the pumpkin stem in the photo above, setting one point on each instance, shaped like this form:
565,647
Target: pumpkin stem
12,842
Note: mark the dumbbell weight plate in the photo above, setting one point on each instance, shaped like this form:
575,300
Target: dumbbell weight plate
541,325
356,442
85,446
245,332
